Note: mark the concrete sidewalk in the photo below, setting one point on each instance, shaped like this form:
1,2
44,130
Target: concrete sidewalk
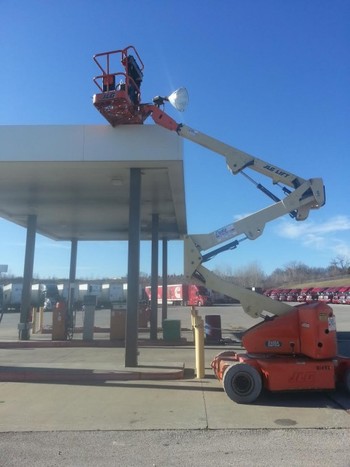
75,386
75,362
108,403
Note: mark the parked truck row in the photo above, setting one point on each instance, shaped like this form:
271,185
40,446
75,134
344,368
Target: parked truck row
339,295
183,294
40,294
47,295
106,294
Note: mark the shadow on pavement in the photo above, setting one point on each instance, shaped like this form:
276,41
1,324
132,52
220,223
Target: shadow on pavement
339,399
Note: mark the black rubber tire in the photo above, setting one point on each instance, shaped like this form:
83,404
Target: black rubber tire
242,383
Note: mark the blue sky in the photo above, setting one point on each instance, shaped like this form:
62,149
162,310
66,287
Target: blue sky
269,77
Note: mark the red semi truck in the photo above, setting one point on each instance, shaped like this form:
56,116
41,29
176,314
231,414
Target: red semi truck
183,294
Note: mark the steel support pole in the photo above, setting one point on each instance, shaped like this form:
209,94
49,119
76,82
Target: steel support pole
154,278
24,325
71,286
132,305
164,279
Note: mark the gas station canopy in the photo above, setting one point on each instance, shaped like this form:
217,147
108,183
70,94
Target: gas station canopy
76,179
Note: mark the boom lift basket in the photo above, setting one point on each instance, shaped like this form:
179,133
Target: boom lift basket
119,97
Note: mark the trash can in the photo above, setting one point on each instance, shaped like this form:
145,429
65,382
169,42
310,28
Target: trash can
59,321
212,329
117,328
171,329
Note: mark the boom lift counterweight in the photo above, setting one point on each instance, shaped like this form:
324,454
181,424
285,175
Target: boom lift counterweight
296,348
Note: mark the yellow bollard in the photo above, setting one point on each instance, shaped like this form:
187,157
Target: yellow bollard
198,325
194,313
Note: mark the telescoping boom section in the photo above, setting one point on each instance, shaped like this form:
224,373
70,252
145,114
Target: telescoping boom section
299,197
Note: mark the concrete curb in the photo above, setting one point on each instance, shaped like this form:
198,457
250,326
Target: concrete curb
92,343
76,375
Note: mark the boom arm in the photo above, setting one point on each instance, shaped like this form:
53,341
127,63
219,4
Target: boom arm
253,304
238,160
121,104
301,196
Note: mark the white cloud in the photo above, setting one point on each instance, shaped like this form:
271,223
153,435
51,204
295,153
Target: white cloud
340,248
318,236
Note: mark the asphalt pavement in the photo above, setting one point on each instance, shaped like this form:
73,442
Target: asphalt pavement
75,386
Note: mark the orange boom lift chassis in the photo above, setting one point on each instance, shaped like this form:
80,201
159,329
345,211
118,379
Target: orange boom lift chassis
296,351
293,348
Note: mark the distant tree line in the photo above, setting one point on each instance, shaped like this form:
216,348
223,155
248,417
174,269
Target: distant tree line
294,272
251,275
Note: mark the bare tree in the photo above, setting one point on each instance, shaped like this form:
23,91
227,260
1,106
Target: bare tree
340,263
250,276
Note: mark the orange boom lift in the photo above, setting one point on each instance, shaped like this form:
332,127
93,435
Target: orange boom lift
292,348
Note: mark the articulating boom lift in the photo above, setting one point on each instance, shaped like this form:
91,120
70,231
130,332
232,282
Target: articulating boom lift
296,348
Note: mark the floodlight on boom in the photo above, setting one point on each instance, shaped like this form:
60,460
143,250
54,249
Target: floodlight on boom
178,99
